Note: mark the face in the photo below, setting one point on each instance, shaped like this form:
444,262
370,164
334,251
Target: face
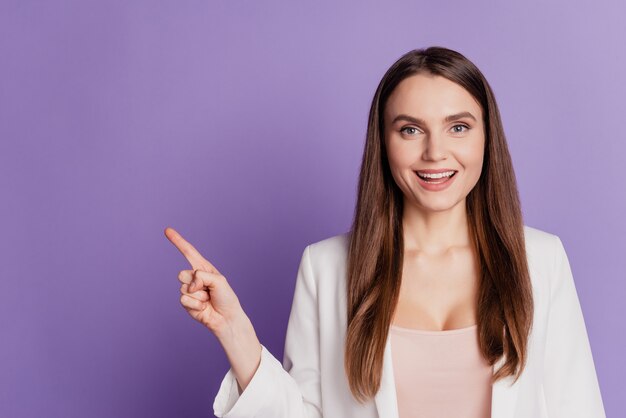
418,136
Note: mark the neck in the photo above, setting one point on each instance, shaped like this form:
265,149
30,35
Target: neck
435,232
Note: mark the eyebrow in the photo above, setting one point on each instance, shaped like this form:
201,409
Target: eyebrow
421,121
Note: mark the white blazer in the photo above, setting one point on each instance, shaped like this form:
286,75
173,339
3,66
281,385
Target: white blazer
559,380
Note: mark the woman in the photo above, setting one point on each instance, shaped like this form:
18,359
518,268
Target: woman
439,302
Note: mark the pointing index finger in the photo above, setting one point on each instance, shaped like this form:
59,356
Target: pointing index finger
197,261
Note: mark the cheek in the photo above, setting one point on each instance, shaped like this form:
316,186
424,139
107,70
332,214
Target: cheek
473,157
475,161
401,156
473,166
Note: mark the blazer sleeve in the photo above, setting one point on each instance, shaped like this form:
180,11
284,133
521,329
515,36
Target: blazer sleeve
570,383
291,389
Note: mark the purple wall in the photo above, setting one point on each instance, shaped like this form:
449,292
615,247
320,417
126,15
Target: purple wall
241,125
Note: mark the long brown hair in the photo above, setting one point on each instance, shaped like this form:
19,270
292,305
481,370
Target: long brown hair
375,257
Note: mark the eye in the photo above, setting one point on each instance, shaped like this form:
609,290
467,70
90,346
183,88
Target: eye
403,130
460,125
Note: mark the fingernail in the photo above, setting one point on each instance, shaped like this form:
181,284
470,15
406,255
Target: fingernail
191,286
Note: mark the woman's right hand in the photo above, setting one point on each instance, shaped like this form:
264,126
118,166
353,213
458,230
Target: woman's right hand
209,299
205,292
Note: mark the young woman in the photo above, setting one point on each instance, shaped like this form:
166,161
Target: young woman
439,301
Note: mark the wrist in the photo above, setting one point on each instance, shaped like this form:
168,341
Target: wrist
237,327
242,348
238,338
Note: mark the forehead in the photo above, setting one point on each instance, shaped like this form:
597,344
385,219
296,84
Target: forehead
431,97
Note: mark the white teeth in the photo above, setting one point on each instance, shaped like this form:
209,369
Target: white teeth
436,176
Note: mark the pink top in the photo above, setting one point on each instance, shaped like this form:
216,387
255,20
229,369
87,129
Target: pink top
440,374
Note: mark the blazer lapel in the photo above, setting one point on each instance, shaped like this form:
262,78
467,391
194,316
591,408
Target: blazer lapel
503,392
386,401
504,395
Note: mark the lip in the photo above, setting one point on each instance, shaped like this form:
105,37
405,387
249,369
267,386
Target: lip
435,187
435,171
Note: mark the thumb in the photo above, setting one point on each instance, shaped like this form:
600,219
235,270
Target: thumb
193,285
201,279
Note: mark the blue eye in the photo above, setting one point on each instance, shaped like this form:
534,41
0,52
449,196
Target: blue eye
407,127
415,130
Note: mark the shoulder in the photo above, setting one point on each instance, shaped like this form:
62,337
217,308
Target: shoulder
327,258
538,239
544,251
330,254
540,244
330,250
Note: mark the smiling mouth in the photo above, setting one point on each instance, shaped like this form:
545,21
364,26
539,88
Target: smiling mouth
436,180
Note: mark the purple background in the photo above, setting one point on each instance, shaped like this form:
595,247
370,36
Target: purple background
241,125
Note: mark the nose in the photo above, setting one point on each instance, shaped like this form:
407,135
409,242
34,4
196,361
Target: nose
434,147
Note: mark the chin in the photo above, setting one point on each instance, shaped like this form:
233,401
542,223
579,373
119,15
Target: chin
437,204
